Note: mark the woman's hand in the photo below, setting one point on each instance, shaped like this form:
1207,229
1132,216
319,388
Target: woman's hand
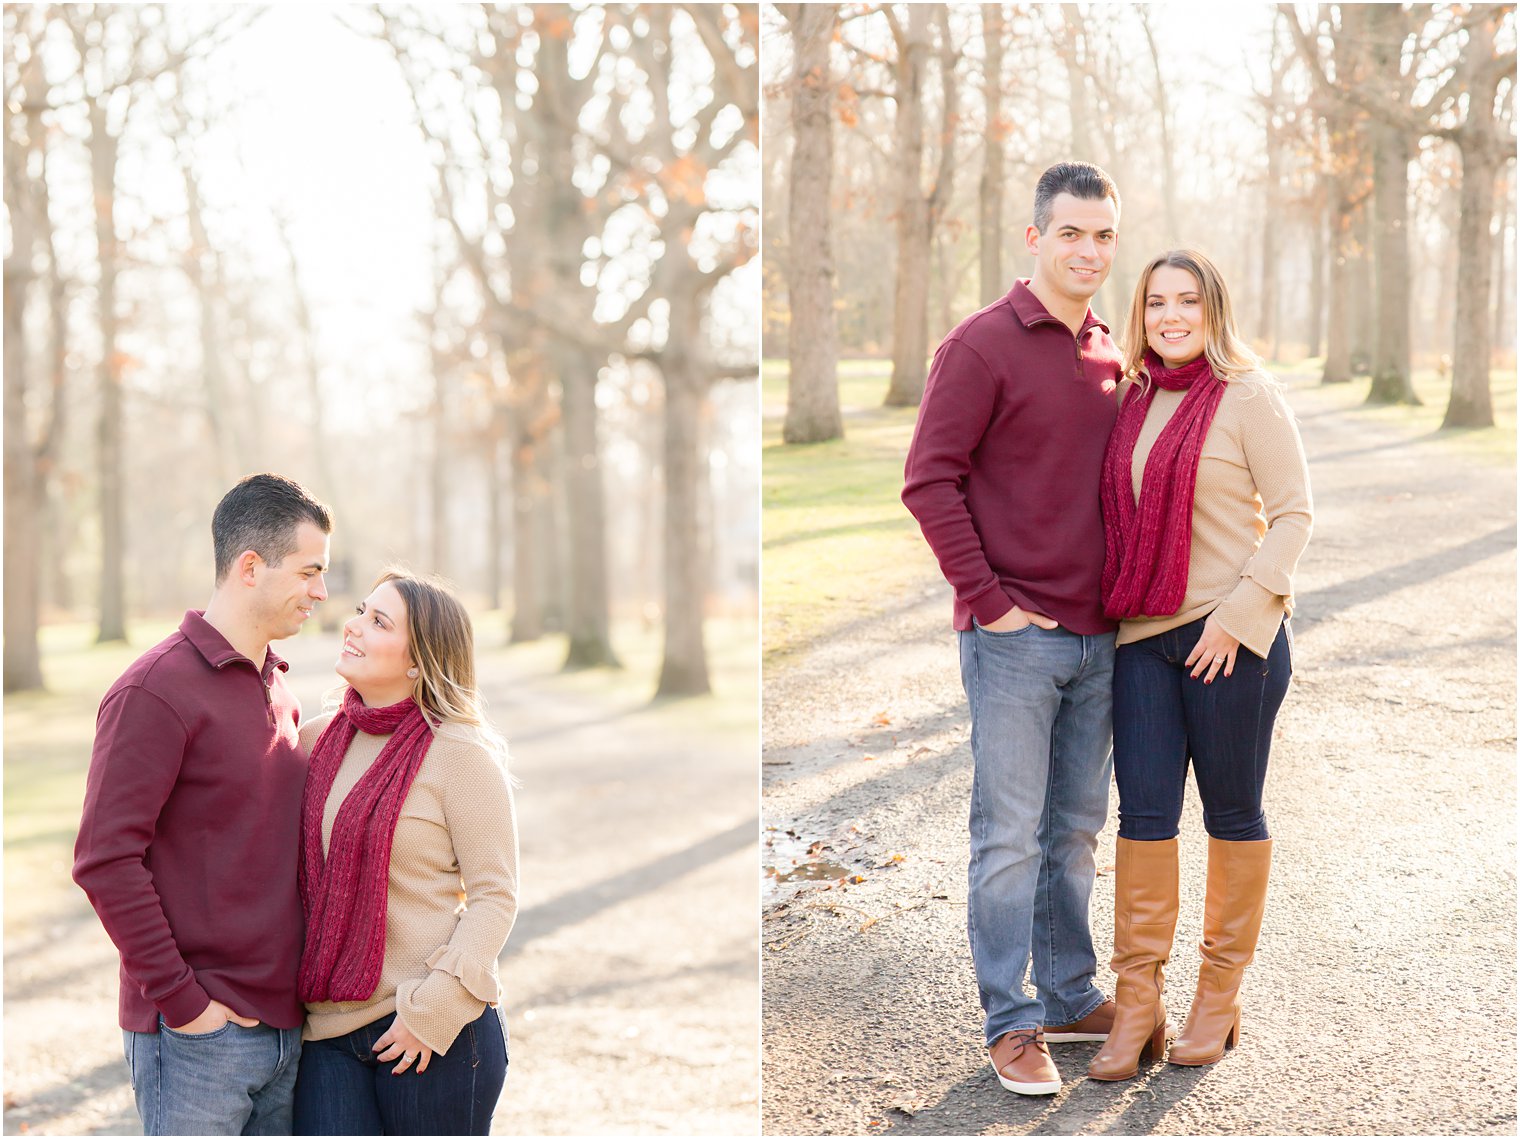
399,1041
1214,648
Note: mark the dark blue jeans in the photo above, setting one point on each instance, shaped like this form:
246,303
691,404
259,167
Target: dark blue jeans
1163,718
344,1090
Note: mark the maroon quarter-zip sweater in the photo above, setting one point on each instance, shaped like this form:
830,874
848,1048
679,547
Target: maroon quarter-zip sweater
1003,471
191,828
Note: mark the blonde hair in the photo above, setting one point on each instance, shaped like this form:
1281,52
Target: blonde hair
1228,354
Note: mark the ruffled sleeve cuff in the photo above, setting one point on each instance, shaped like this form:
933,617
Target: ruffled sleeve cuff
1273,578
454,993
475,977
1252,614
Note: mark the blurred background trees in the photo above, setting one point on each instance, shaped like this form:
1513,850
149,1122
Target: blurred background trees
480,276
1351,168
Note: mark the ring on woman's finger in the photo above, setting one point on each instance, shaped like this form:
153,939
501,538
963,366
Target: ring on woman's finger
1220,660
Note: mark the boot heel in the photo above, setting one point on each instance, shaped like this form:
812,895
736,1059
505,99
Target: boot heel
1232,1038
1155,1047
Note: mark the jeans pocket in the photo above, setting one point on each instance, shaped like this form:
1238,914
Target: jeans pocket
212,1035
1001,634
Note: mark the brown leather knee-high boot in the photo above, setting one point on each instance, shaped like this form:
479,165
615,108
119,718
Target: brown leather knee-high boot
1145,918
1232,913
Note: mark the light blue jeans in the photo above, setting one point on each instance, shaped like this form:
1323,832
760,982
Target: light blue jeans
1041,736
233,1081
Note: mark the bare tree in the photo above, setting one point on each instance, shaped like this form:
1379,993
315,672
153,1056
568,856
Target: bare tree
918,211
25,99
1469,71
994,176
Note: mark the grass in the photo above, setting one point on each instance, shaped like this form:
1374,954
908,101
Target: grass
48,735
1494,444
838,541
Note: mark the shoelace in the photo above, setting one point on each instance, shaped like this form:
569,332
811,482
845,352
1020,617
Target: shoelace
1022,1038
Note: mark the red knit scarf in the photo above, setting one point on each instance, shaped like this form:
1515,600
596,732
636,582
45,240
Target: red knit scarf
1147,546
344,895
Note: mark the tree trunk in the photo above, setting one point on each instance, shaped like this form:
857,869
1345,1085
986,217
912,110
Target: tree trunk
1391,381
812,389
438,473
588,611
683,668
990,191
527,502
1363,294
910,309
588,615
109,425
1316,314
1164,152
1504,300
1338,321
226,436
1266,325
495,493
1471,400
23,661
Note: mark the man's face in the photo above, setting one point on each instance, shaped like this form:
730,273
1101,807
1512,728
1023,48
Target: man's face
1073,255
286,594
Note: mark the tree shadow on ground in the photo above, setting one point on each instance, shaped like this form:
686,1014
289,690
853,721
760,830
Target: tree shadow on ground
38,1113
1416,571
592,898
978,1104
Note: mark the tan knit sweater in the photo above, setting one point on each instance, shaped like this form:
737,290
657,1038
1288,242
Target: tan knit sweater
1251,514
453,888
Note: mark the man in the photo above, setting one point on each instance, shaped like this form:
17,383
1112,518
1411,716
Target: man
191,829
1003,478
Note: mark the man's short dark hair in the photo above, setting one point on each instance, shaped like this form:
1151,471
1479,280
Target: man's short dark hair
1079,179
262,513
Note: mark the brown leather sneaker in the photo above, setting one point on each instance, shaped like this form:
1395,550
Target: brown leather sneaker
1094,1026
1023,1063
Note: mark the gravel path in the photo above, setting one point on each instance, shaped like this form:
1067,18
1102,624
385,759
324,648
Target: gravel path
1391,917
631,992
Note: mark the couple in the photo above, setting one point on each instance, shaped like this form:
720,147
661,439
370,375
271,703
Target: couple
1068,489
218,826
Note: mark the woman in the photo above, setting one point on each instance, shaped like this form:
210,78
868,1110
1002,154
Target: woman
409,878
1206,511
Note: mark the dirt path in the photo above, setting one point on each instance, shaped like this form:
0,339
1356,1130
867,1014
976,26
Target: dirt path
1391,917
630,978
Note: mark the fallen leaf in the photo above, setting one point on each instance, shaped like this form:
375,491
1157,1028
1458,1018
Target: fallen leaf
855,879
867,759
881,718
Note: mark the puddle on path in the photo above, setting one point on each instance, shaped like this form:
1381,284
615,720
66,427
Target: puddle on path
791,861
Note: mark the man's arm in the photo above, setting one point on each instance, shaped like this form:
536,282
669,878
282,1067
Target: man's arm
139,747
959,399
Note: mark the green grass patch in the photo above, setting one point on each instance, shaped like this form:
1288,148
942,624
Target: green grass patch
1494,444
838,541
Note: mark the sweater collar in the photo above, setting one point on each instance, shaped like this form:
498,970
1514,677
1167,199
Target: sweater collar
215,648
1030,311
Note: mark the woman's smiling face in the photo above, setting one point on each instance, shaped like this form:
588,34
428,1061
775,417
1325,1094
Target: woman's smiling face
1174,317
376,651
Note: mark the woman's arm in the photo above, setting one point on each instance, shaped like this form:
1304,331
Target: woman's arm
1274,454
462,974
